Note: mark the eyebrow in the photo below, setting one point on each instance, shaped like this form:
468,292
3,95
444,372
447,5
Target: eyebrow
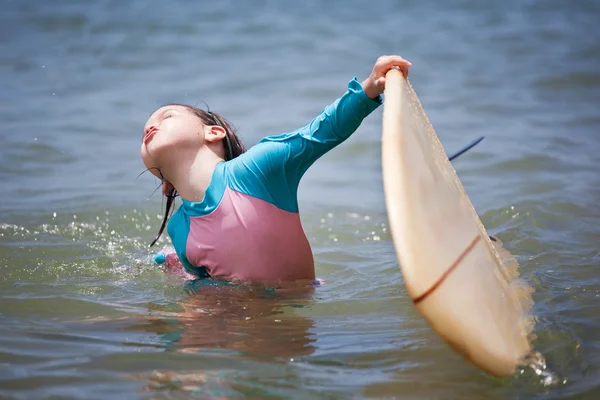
163,112
168,108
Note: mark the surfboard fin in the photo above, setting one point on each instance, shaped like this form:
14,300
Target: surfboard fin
466,148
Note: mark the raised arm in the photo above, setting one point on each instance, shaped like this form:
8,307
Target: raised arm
277,163
341,119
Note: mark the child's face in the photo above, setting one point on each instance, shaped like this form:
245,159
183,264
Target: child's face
169,130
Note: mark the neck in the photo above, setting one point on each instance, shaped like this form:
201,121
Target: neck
191,176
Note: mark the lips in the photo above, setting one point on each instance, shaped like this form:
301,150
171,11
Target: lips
148,136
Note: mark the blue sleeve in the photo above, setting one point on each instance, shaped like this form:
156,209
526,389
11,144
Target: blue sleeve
178,229
272,169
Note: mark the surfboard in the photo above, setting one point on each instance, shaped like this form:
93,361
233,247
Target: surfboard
467,288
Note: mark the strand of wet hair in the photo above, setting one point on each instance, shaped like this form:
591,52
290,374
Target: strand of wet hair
170,198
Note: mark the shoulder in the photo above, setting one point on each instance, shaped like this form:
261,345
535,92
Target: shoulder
269,152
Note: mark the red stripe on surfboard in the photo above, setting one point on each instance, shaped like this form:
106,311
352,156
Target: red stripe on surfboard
448,271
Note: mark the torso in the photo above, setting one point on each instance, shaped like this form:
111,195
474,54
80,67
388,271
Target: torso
246,238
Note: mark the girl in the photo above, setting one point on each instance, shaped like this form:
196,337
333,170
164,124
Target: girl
239,218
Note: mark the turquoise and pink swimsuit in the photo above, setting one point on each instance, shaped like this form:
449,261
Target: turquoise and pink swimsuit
247,227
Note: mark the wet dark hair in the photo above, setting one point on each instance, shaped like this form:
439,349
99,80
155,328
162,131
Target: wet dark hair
232,144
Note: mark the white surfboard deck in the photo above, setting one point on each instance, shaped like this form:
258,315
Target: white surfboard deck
455,275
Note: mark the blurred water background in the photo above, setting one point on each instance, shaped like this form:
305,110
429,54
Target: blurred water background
85,314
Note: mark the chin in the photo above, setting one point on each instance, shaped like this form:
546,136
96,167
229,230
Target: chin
147,159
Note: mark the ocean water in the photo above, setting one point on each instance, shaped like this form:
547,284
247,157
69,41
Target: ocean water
84,312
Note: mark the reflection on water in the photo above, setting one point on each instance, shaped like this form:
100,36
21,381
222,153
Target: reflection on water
254,321
239,323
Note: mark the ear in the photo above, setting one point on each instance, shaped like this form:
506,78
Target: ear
214,133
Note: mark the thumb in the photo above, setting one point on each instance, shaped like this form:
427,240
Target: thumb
381,84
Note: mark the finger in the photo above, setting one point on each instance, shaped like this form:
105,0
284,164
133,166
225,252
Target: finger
396,60
404,70
385,63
